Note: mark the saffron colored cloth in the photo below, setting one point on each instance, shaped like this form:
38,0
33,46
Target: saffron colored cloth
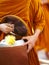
46,29
44,37
31,12
38,16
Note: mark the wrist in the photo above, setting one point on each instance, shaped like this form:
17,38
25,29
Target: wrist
37,33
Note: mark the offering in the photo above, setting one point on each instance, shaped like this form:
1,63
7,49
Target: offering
10,39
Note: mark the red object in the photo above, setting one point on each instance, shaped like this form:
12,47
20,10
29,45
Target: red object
13,55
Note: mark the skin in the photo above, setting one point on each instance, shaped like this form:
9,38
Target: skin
45,5
6,28
31,40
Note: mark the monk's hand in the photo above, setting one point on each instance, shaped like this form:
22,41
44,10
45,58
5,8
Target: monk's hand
31,41
6,27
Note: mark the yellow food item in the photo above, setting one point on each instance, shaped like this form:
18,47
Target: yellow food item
10,39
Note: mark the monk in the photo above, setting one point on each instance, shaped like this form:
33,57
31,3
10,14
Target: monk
45,33
31,12
43,41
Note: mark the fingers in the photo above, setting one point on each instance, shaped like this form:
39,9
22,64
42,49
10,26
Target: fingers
29,48
27,38
25,44
24,38
10,25
8,29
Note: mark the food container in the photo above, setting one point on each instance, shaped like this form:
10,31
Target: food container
13,55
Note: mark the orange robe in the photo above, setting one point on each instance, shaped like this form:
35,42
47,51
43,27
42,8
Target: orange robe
44,42
30,11
46,29
36,24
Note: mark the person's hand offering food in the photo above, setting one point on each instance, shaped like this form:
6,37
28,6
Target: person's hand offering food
6,27
10,39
